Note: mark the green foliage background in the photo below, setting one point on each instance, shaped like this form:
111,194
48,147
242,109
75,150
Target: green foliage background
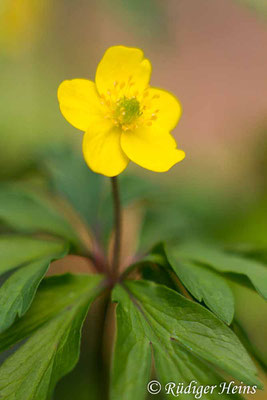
40,164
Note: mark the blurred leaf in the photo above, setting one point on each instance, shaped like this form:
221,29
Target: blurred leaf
90,193
53,349
147,16
250,226
251,251
251,348
71,177
16,251
223,262
181,334
28,212
162,222
19,288
258,5
204,284
178,212
155,273
133,190
136,188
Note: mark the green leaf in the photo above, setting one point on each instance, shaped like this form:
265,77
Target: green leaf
194,327
71,177
250,251
27,212
54,322
132,355
16,251
249,345
205,285
27,261
173,363
155,273
18,291
88,192
141,332
227,263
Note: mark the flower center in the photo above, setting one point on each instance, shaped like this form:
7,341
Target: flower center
127,111
127,108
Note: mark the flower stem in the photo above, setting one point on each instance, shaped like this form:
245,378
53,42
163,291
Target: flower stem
117,227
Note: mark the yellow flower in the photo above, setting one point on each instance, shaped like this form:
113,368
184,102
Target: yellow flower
122,116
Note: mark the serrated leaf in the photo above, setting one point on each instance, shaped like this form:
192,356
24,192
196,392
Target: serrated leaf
138,331
18,290
132,355
27,212
16,250
197,329
176,364
227,263
26,260
52,350
204,284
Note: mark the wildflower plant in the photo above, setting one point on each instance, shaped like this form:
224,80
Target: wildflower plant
175,313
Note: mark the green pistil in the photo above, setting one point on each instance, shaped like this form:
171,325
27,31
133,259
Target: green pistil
127,110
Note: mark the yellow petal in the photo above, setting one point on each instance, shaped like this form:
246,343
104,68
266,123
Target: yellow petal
102,150
152,149
163,107
124,68
79,103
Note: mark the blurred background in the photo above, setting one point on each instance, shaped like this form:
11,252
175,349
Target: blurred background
211,54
